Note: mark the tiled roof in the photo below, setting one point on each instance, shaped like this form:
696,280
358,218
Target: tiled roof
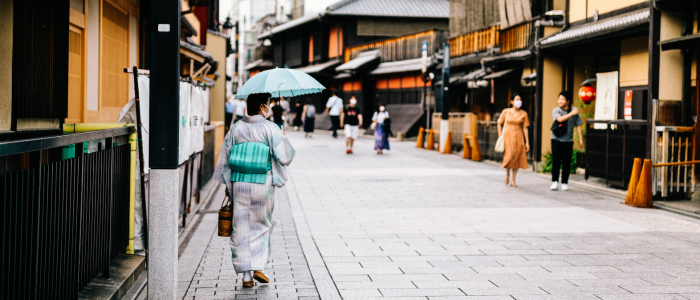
399,66
612,24
392,8
362,59
290,24
313,69
260,63
512,56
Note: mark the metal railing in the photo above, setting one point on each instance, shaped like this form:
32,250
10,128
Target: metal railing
63,220
611,150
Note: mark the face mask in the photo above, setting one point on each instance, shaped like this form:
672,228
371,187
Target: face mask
518,103
381,108
268,113
353,101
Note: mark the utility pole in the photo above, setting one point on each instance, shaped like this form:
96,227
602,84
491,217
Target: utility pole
445,123
164,149
425,78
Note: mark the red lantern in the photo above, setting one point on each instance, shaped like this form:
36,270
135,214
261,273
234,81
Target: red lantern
587,94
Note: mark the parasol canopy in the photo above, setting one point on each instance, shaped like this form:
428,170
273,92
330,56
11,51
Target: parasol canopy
280,82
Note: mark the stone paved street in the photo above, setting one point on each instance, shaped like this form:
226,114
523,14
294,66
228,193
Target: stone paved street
413,224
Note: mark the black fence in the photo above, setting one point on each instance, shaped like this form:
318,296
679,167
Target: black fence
611,150
63,220
487,134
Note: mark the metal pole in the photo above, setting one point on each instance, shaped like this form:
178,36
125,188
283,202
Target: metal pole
445,122
164,149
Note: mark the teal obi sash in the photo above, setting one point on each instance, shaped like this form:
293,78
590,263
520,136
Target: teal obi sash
250,162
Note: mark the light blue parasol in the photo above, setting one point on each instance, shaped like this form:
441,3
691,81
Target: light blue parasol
280,82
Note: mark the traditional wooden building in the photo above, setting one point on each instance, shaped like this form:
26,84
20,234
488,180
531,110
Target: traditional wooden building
317,44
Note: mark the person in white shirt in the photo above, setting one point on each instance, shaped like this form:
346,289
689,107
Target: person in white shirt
285,105
241,109
334,106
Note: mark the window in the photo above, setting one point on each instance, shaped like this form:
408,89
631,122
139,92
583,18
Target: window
249,55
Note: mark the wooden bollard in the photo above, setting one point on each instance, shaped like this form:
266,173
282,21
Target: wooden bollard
642,196
448,144
466,149
431,141
419,141
476,150
632,189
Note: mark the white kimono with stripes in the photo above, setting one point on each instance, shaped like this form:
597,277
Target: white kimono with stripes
253,203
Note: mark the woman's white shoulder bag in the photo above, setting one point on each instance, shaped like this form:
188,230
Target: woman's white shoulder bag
500,147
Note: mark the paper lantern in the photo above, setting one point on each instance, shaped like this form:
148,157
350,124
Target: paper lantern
587,94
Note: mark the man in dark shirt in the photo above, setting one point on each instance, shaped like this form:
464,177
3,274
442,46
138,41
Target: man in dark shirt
352,119
277,112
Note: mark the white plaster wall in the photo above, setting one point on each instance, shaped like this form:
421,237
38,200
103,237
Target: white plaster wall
670,61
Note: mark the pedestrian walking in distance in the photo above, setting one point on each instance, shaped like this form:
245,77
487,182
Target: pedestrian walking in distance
254,157
563,144
351,120
513,125
309,114
298,114
230,108
285,105
277,113
241,110
381,135
333,108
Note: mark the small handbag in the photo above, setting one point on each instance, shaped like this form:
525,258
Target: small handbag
500,146
226,217
559,128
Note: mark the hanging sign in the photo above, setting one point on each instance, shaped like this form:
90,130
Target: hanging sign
628,105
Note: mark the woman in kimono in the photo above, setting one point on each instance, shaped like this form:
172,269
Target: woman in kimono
381,135
252,163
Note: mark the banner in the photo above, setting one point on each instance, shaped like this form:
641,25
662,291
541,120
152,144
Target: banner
606,100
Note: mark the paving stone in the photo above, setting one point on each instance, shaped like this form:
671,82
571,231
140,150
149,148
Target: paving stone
411,224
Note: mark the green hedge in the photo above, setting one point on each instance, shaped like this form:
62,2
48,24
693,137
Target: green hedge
547,165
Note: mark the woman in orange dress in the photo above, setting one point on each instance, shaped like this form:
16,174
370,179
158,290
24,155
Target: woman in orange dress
515,141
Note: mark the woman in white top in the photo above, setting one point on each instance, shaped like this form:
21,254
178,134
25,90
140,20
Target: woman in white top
381,136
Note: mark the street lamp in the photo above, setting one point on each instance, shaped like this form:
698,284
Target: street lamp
227,26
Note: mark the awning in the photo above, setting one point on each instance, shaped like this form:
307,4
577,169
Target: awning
530,78
453,78
320,68
684,42
476,75
508,57
260,63
410,65
364,59
195,53
600,28
499,74
342,76
470,59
